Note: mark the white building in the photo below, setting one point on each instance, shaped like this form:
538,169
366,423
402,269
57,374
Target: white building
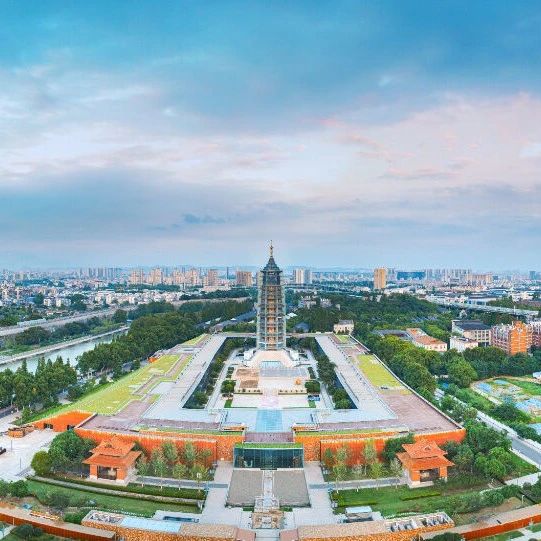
461,344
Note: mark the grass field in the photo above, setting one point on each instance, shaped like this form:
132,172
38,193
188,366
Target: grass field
376,373
344,338
194,341
116,396
105,501
392,500
504,536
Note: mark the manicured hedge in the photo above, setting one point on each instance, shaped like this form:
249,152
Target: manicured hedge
419,496
170,492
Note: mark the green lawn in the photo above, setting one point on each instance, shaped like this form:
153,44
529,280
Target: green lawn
344,338
105,501
377,373
112,398
194,341
392,500
504,536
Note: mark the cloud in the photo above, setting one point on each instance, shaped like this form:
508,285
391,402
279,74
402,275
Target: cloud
206,130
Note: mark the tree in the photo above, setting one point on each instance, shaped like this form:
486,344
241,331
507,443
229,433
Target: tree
494,468
142,467
340,465
159,465
41,463
370,454
120,316
68,450
342,404
179,472
482,438
376,472
464,457
190,454
328,458
395,467
461,372
509,413
394,445
170,453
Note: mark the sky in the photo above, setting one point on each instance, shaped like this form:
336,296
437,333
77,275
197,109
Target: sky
359,134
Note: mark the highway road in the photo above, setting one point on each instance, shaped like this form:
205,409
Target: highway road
83,316
529,449
53,323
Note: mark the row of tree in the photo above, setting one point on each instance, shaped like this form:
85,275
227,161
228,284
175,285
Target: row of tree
26,390
169,461
327,375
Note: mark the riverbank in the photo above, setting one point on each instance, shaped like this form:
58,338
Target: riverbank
38,352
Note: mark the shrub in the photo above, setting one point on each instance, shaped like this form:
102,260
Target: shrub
447,536
76,517
27,531
41,463
19,489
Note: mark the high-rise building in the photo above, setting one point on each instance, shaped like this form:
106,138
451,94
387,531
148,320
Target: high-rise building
513,339
536,333
271,326
244,278
302,276
212,277
155,277
137,277
380,278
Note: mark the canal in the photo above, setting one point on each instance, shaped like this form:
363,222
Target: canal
68,353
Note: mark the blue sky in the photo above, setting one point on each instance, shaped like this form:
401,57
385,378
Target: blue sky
352,133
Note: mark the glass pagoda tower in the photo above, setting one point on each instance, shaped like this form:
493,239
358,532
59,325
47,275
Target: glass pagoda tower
271,322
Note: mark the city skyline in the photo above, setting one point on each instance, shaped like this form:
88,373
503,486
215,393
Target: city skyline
359,134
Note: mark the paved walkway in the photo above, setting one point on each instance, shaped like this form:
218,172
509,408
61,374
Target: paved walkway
360,483
519,481
15,462
320,510
178,483
215,511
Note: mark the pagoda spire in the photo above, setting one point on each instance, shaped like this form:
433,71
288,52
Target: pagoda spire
271,248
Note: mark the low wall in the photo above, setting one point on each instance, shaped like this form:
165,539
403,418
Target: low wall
188,532
16,516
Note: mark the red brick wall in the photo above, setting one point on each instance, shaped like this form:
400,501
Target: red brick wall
221,446
61,421
315,444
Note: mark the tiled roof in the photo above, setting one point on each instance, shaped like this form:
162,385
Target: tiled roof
428,463
423,449
113,461
113,447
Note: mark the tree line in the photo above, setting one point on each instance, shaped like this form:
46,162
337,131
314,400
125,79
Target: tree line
26,390
155,326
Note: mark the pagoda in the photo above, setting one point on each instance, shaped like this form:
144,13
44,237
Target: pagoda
271,325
